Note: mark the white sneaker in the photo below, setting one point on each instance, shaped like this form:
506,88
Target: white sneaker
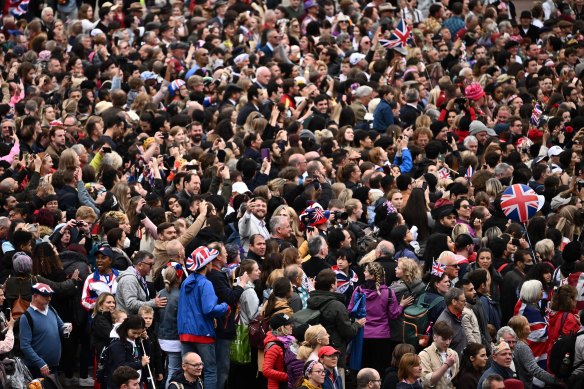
86,382
74,381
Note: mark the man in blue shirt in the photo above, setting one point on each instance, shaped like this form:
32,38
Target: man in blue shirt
40,333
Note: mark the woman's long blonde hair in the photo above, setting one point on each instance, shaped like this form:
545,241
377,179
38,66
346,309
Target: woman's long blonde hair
311,337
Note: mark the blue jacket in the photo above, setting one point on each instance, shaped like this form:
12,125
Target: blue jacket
332,381
382,116
404,162
197,309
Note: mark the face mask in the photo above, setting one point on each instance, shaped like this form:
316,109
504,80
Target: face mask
127,243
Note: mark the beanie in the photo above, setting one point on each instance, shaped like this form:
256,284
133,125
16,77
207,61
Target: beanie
22,263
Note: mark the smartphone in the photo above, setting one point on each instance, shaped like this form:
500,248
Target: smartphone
449,136
221,154
265,154
165,135
282,146
107,150
441,158
424,186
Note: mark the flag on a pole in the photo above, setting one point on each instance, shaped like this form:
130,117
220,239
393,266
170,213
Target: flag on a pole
469,172
401,36
443,173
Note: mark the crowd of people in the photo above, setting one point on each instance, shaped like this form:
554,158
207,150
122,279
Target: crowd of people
184,183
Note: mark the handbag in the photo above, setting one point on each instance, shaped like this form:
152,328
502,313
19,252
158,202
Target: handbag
240,350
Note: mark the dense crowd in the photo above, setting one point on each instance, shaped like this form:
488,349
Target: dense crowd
319,195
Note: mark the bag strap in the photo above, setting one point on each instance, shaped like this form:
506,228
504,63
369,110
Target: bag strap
177,384
564,317
29,320
503,266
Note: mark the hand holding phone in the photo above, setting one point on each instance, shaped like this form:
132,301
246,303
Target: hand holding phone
265,154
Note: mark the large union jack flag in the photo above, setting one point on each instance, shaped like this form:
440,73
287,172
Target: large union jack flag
537,340
401,36
519,202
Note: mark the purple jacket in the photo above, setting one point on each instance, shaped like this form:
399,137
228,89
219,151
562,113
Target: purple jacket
381,308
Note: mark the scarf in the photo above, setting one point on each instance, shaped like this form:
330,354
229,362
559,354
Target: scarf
344,281
306,383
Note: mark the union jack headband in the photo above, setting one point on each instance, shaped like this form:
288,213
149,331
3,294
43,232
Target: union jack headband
177,266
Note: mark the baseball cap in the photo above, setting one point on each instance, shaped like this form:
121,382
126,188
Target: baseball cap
278,320
555,151
43,289
355,58
327,350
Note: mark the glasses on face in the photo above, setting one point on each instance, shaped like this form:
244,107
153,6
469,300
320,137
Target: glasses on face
195,365
150,264
454,266
321,372
465,206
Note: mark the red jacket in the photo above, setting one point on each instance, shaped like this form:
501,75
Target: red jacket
274,368
555,325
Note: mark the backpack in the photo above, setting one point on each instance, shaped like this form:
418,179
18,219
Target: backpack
20,305
307,317
561,358
281,384
258,328
102,372
416,322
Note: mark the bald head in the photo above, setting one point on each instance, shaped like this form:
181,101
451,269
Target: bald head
298,161
384,248
367,376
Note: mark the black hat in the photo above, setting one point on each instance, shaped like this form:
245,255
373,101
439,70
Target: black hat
443,211
278,320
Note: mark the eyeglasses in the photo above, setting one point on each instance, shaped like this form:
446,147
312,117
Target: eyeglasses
195,365
322,372
454,266
466,206
150,264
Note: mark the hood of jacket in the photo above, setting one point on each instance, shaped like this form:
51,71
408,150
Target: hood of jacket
192,281
128,272
319,298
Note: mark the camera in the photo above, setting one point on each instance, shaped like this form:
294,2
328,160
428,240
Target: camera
340,215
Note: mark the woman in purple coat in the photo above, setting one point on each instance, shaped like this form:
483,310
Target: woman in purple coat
382,306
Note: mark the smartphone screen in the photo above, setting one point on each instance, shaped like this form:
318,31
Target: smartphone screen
265,154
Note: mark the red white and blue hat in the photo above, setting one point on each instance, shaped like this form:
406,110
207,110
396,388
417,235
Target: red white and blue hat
314,215
175,86
177,266
44,289
200,258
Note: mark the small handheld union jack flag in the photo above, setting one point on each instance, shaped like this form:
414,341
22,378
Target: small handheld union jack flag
438,269
401,36
469,172
443,173
536,114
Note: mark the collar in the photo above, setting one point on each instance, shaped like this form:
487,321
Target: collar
45,312
458,316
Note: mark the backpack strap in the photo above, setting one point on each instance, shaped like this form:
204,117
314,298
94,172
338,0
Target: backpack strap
277,343
564,317
503,266
177,384
29,320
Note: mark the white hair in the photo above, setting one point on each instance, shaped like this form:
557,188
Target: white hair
530,291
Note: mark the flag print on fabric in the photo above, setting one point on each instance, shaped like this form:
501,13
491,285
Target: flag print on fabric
536,114
538,338
577,281
41,288
519,202
344,281
16,8
469,172
200,258
401,36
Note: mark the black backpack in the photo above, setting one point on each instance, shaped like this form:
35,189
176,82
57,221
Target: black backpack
561,358
102,372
